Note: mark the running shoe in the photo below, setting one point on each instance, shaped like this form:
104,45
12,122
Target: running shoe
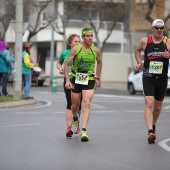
83,136
78,128
151,138
154,132
74,125
69,132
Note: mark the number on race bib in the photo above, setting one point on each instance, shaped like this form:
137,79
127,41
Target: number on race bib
155,67
82,78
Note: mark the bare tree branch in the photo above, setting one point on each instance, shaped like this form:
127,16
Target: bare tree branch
151,4
105,10
34,29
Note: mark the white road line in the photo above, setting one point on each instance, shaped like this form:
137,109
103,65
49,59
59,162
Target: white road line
104,111
117,96
97,106
164,144
48,103
23,112
133,111
17,125
92,111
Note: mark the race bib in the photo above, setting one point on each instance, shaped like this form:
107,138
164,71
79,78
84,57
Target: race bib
82,78
156,67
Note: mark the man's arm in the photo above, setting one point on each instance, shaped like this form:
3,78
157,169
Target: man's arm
166,54
141,47
99,64
27,62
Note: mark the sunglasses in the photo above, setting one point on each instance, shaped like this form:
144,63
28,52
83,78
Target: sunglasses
157,28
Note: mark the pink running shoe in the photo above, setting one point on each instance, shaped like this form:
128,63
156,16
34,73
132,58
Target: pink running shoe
78,129
69,132
151,138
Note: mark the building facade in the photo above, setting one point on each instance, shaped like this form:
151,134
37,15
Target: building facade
118,54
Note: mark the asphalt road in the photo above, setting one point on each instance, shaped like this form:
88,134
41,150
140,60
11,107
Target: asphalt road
33,137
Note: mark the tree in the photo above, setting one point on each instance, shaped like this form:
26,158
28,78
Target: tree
32,13
108,14
158,4
7,14
95,14
37,9
65,9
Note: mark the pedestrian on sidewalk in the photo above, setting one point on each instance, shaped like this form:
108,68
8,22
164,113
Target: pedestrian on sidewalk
5,67
27,65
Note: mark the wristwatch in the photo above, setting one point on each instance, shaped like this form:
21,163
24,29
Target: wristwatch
95,77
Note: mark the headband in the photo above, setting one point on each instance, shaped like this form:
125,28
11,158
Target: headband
86,30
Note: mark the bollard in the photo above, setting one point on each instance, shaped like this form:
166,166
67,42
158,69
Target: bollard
54,84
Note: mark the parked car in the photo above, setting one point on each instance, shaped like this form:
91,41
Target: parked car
134,83
38,81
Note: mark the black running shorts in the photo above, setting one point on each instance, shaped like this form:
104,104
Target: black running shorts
68,97
77,88
155,86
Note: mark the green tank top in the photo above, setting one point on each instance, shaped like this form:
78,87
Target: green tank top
84,61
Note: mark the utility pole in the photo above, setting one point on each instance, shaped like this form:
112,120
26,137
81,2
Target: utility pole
52,41
18,50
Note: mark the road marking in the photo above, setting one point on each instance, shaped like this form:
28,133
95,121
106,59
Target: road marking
23,112
48,103
167,107
17,125
164,144
97,106
92,111
135,111
117,96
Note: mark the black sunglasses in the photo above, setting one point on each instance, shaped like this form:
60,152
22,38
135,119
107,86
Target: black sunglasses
157,28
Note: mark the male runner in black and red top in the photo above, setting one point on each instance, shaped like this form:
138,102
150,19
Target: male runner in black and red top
156,59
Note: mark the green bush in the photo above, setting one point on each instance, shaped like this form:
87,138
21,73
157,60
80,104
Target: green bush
8,98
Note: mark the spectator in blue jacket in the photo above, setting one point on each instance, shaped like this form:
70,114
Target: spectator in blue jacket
5,66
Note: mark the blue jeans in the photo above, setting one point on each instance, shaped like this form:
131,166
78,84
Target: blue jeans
26,84
4,78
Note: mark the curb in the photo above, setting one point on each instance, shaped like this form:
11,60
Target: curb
17,103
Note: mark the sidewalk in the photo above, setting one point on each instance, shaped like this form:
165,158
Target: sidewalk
116,91
17,103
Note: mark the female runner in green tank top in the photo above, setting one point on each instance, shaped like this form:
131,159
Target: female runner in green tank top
72,41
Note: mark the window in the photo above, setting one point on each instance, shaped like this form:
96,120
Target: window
141,1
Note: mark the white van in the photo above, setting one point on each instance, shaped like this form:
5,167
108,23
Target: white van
134,83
